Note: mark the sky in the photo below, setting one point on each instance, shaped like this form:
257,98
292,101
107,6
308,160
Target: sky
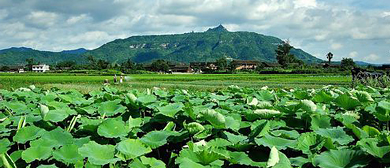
358,29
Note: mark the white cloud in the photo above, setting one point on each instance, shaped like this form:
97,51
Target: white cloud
76,19
371,57
353,54
42,18
336,46
316,26
305,3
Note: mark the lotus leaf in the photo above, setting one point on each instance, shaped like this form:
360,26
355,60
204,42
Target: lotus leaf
111,108
214,118
171,109
308,106
36,153
347,102
98,154
370,145
28,133
155,139
112,128
343,158
56,115
133,148
270,141
337,134
68,154
4,145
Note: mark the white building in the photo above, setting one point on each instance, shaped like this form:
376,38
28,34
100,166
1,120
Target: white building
40,68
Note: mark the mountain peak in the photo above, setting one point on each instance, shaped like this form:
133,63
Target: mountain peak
218,29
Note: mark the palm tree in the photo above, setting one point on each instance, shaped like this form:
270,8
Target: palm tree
329,56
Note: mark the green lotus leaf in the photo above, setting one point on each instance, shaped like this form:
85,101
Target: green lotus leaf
309,143
364,96
89,109
155,139
135,122
253,102
337,134
194,127
264,105
171,109
273,158
185,162
278,159
347,102
382,111
320,121
266,113
308,106
54,138
265,95
145,162
301,94
371,131
235,138
270,141
342,158
17,107
299,161
110,108
241,158
147,99
98,154
370,145
67,154
36,153
323,97
56,115
112,128
133,148
259,128
47,166
214,118
28,133
233,122
4,145
292,134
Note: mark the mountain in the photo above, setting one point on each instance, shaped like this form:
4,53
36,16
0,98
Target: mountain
18,56
188,47
76,51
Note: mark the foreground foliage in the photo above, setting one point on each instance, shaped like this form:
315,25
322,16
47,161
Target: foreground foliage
235,127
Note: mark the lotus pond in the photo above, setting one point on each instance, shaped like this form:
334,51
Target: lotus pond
234,127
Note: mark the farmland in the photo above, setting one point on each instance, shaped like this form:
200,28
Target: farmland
232,127
203,82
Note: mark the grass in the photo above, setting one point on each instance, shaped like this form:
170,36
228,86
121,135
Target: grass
182,81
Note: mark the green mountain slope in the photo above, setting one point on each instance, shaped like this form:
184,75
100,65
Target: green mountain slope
200,46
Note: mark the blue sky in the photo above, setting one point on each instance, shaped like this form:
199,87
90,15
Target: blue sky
359,29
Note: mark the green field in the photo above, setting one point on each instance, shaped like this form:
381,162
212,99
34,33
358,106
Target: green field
206,82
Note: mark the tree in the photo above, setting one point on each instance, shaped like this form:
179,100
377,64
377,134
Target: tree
329,56
4,68
283,55
128,65
30,63
102,64
347,63
221,63
66,64
160,66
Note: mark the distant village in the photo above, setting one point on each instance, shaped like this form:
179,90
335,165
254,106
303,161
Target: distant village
192,67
